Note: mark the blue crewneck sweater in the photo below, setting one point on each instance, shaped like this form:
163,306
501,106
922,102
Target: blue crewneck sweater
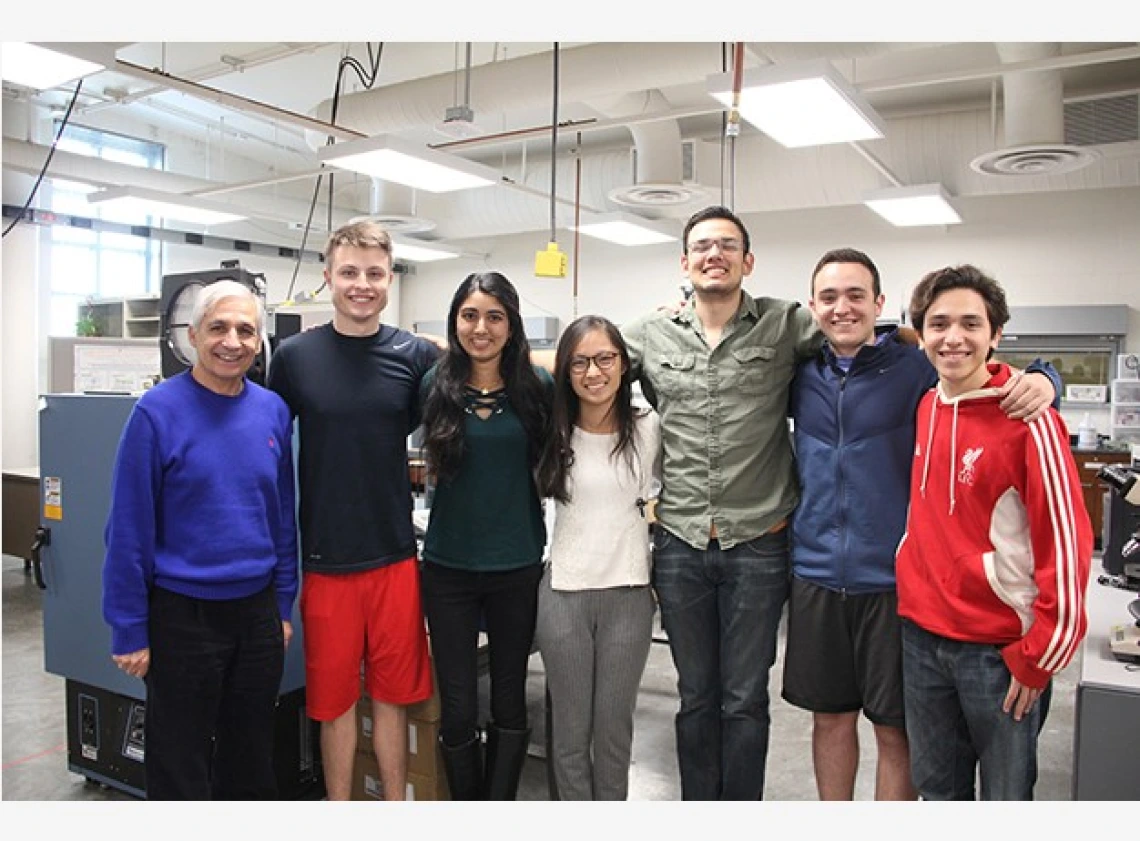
202,503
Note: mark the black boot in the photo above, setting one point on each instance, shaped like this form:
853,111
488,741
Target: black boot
464,768
506,750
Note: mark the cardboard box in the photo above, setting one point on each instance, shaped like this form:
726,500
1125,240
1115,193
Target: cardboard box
430,709
423,741
366,784
424,754
364,726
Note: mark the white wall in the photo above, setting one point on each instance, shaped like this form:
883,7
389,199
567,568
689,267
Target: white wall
1080,247
19,374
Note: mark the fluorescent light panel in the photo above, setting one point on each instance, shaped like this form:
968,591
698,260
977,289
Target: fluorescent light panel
421,252
166,205
626,229
421,167
801,103
905,207
46,66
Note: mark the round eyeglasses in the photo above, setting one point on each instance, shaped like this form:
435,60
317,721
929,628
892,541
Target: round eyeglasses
604,360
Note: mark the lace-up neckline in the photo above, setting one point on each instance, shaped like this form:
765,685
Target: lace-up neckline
482,402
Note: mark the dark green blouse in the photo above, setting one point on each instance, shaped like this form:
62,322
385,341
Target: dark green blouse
489,517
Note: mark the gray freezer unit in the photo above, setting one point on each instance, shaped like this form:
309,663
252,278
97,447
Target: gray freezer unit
79,438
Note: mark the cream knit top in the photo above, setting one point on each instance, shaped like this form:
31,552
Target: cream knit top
601,537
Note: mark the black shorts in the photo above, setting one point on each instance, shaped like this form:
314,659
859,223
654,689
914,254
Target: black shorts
844,653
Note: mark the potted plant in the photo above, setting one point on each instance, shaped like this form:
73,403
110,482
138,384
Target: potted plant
86,325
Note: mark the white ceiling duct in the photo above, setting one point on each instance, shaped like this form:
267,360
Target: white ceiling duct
393,206
834,51
1034,119
659,165
524,84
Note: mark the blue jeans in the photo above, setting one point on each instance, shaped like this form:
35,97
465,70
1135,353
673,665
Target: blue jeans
955,725
720,609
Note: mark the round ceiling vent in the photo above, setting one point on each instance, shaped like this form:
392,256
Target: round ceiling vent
1038,159
398,223
656,195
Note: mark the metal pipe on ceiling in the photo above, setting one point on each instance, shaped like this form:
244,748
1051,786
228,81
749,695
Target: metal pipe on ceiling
239,103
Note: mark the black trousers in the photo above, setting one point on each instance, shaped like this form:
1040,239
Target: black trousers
212,686
457,604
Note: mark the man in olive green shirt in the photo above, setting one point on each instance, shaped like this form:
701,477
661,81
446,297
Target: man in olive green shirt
718,373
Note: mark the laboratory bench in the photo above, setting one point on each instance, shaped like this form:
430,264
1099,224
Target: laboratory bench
21,493
1106,735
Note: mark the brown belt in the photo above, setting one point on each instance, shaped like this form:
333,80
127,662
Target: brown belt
779,527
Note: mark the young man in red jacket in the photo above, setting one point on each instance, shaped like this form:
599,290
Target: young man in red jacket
993,565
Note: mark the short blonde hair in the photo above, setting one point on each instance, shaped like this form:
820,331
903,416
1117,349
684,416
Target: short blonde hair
363,233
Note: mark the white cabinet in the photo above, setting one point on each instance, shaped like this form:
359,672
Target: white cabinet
141,317
136,317
1125,410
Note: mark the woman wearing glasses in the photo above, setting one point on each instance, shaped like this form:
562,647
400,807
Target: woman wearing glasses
601,464
485,412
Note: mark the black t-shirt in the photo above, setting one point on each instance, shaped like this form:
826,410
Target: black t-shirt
356,402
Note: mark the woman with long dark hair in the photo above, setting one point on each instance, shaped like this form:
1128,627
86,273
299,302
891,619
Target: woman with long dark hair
595,607
485,414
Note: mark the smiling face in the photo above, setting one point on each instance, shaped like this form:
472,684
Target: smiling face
226,342
715,260
845,306
482,327
358,279
957,338
596,369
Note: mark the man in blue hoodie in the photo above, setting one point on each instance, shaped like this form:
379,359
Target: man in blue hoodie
201,567
853,407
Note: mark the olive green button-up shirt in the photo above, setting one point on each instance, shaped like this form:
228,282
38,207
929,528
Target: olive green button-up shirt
727,449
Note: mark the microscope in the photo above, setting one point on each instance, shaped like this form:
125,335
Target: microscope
1124,640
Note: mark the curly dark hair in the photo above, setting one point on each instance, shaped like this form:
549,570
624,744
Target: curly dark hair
444,407
558,456
964,276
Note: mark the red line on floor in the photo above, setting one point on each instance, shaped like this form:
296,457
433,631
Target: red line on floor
15,762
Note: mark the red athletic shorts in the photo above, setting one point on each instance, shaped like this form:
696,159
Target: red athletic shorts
374,616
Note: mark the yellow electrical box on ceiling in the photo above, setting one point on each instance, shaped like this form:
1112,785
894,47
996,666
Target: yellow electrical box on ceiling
550,263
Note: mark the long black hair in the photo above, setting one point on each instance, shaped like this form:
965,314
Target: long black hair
444,409
558,454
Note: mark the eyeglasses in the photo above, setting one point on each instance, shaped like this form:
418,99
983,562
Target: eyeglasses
604,360
727,245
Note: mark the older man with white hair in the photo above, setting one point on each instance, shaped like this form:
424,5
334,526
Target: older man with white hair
201,566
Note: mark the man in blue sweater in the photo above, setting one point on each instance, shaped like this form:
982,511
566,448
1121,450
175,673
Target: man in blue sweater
853,407
201,564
